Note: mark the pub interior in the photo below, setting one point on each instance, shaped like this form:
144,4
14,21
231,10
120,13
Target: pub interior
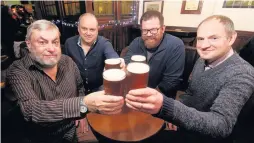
119,22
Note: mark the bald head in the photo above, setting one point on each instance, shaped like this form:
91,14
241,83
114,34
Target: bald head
88,28
88,16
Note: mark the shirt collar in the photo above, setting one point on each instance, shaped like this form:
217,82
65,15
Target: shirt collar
221,59
79,42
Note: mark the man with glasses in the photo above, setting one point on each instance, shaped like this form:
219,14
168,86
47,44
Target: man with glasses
214,109
164,53
89,51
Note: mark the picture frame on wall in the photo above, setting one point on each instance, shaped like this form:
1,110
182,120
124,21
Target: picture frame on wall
238,4
192,6
153,5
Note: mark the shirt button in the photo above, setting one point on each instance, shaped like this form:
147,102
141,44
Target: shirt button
85,59
85,69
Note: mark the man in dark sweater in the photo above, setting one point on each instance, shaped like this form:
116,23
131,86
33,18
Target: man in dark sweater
164,53
222,82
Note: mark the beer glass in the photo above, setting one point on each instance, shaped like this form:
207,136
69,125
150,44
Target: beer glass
138,58
137,75
112,63
113,81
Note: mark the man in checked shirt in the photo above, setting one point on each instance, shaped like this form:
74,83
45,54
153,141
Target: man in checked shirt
48,89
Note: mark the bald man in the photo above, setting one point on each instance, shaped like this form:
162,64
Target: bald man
89,51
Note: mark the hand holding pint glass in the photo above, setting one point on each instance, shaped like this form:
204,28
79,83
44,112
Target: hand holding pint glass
140,97
137,75
113,80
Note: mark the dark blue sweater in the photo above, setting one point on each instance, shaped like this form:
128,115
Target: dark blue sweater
166,63
92,64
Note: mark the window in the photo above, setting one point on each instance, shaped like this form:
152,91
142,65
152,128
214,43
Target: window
103,8
71,7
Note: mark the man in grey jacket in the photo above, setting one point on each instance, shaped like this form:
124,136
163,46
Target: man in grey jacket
222,82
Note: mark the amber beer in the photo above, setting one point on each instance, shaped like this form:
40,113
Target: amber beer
138,58
112,63
130,125
137,75
113,80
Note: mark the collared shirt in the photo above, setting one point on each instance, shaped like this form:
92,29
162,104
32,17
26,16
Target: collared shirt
48,106
90,64
220,60
79,44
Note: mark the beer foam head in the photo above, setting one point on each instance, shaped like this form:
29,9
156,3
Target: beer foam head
138,68
112,61
114,75
138,58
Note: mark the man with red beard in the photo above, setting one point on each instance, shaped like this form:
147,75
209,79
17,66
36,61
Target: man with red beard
164,53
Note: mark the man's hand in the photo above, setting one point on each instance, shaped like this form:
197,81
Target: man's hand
171,126
122,65
147,100
82,125
104,104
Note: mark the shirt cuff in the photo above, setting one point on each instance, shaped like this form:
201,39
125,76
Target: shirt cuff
71,107
167,110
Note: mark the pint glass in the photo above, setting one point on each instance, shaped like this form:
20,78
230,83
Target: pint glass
113,81
138,58
137,75
112,63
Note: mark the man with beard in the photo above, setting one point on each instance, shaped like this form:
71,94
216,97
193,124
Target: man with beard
164,53
48,89
89,51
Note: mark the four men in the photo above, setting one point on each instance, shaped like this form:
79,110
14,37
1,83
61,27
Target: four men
49,90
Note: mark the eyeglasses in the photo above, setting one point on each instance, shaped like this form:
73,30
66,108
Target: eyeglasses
152,31
211,40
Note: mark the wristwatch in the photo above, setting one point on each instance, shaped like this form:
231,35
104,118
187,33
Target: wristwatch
83,107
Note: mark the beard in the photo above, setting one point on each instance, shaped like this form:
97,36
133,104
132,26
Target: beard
151,42
49,63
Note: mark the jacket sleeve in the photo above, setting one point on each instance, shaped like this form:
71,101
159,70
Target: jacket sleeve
172,76
109,52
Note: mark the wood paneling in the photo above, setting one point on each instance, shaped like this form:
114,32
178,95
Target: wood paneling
188,33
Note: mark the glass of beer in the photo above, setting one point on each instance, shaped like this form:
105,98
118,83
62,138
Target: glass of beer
113,82
138,58
112,63
137,75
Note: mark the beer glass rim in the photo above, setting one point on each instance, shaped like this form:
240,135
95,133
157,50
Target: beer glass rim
113,61
113,73
138,57
136,68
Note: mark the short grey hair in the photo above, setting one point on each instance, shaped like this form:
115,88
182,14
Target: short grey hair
226,21
40,25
